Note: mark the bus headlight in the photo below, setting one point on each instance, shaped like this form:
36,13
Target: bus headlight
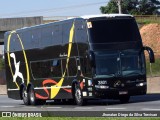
141,84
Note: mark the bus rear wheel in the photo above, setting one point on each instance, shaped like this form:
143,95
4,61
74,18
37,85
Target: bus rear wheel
32,98
25,97
78,96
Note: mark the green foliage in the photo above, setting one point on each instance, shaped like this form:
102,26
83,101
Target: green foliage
1,63
144,22
155,68
110,8
135,7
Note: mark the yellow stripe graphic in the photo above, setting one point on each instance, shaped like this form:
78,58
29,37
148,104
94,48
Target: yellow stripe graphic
8,55
54,90
25,58
26,61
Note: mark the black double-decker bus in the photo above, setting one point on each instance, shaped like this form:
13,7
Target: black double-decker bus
77,59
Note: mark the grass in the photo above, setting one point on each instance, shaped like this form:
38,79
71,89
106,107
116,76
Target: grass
144,22
155,68
147,19
1,63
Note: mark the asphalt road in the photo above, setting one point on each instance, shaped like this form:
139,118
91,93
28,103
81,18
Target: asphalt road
150,102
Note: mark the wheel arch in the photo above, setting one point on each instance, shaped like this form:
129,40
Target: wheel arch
28,86
73,86
21,88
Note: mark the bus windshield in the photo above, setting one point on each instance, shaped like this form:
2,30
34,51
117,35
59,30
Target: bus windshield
125,63
106,64
113,30
131,63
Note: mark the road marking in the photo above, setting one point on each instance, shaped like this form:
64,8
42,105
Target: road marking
29,107
53,107
115,108
150,109
83,108
7,106
17,100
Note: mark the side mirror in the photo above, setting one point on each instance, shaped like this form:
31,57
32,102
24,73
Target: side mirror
91,58
151,54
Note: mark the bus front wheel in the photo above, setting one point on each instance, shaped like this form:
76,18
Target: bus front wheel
78,96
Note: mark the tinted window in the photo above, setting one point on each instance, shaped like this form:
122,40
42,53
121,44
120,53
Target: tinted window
57,35
35,38
113,30
87,67
15,43
72,67
64,61
106,64
56,68
81,32
27,39
46,69
66,32
131,62
46,36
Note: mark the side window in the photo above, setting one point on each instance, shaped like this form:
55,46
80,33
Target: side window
40,69
64,62
35,38
57,35
56,68
66,32
81,32
46,36
15,43
46,69
27,39
87,67
72,67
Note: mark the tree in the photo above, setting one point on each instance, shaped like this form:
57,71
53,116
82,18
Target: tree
136,7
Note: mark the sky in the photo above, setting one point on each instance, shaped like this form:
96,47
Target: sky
46,8
49,8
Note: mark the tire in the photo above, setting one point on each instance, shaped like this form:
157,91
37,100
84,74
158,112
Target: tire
33,100
124,98
78,96
25,97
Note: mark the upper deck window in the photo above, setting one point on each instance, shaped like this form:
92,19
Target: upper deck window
113,30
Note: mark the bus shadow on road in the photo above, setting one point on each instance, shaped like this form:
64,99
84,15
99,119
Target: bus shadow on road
102,102
145,98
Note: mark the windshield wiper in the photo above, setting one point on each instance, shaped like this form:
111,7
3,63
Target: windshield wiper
104,76
131,73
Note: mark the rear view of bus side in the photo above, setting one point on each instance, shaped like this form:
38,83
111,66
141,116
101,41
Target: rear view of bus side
77,59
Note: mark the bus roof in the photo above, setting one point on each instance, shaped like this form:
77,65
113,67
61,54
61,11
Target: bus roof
106,15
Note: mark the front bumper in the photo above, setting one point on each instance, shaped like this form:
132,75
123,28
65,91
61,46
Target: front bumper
115,93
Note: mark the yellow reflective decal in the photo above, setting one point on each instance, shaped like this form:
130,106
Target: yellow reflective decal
54,90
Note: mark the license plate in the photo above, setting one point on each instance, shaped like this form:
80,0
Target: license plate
123,92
